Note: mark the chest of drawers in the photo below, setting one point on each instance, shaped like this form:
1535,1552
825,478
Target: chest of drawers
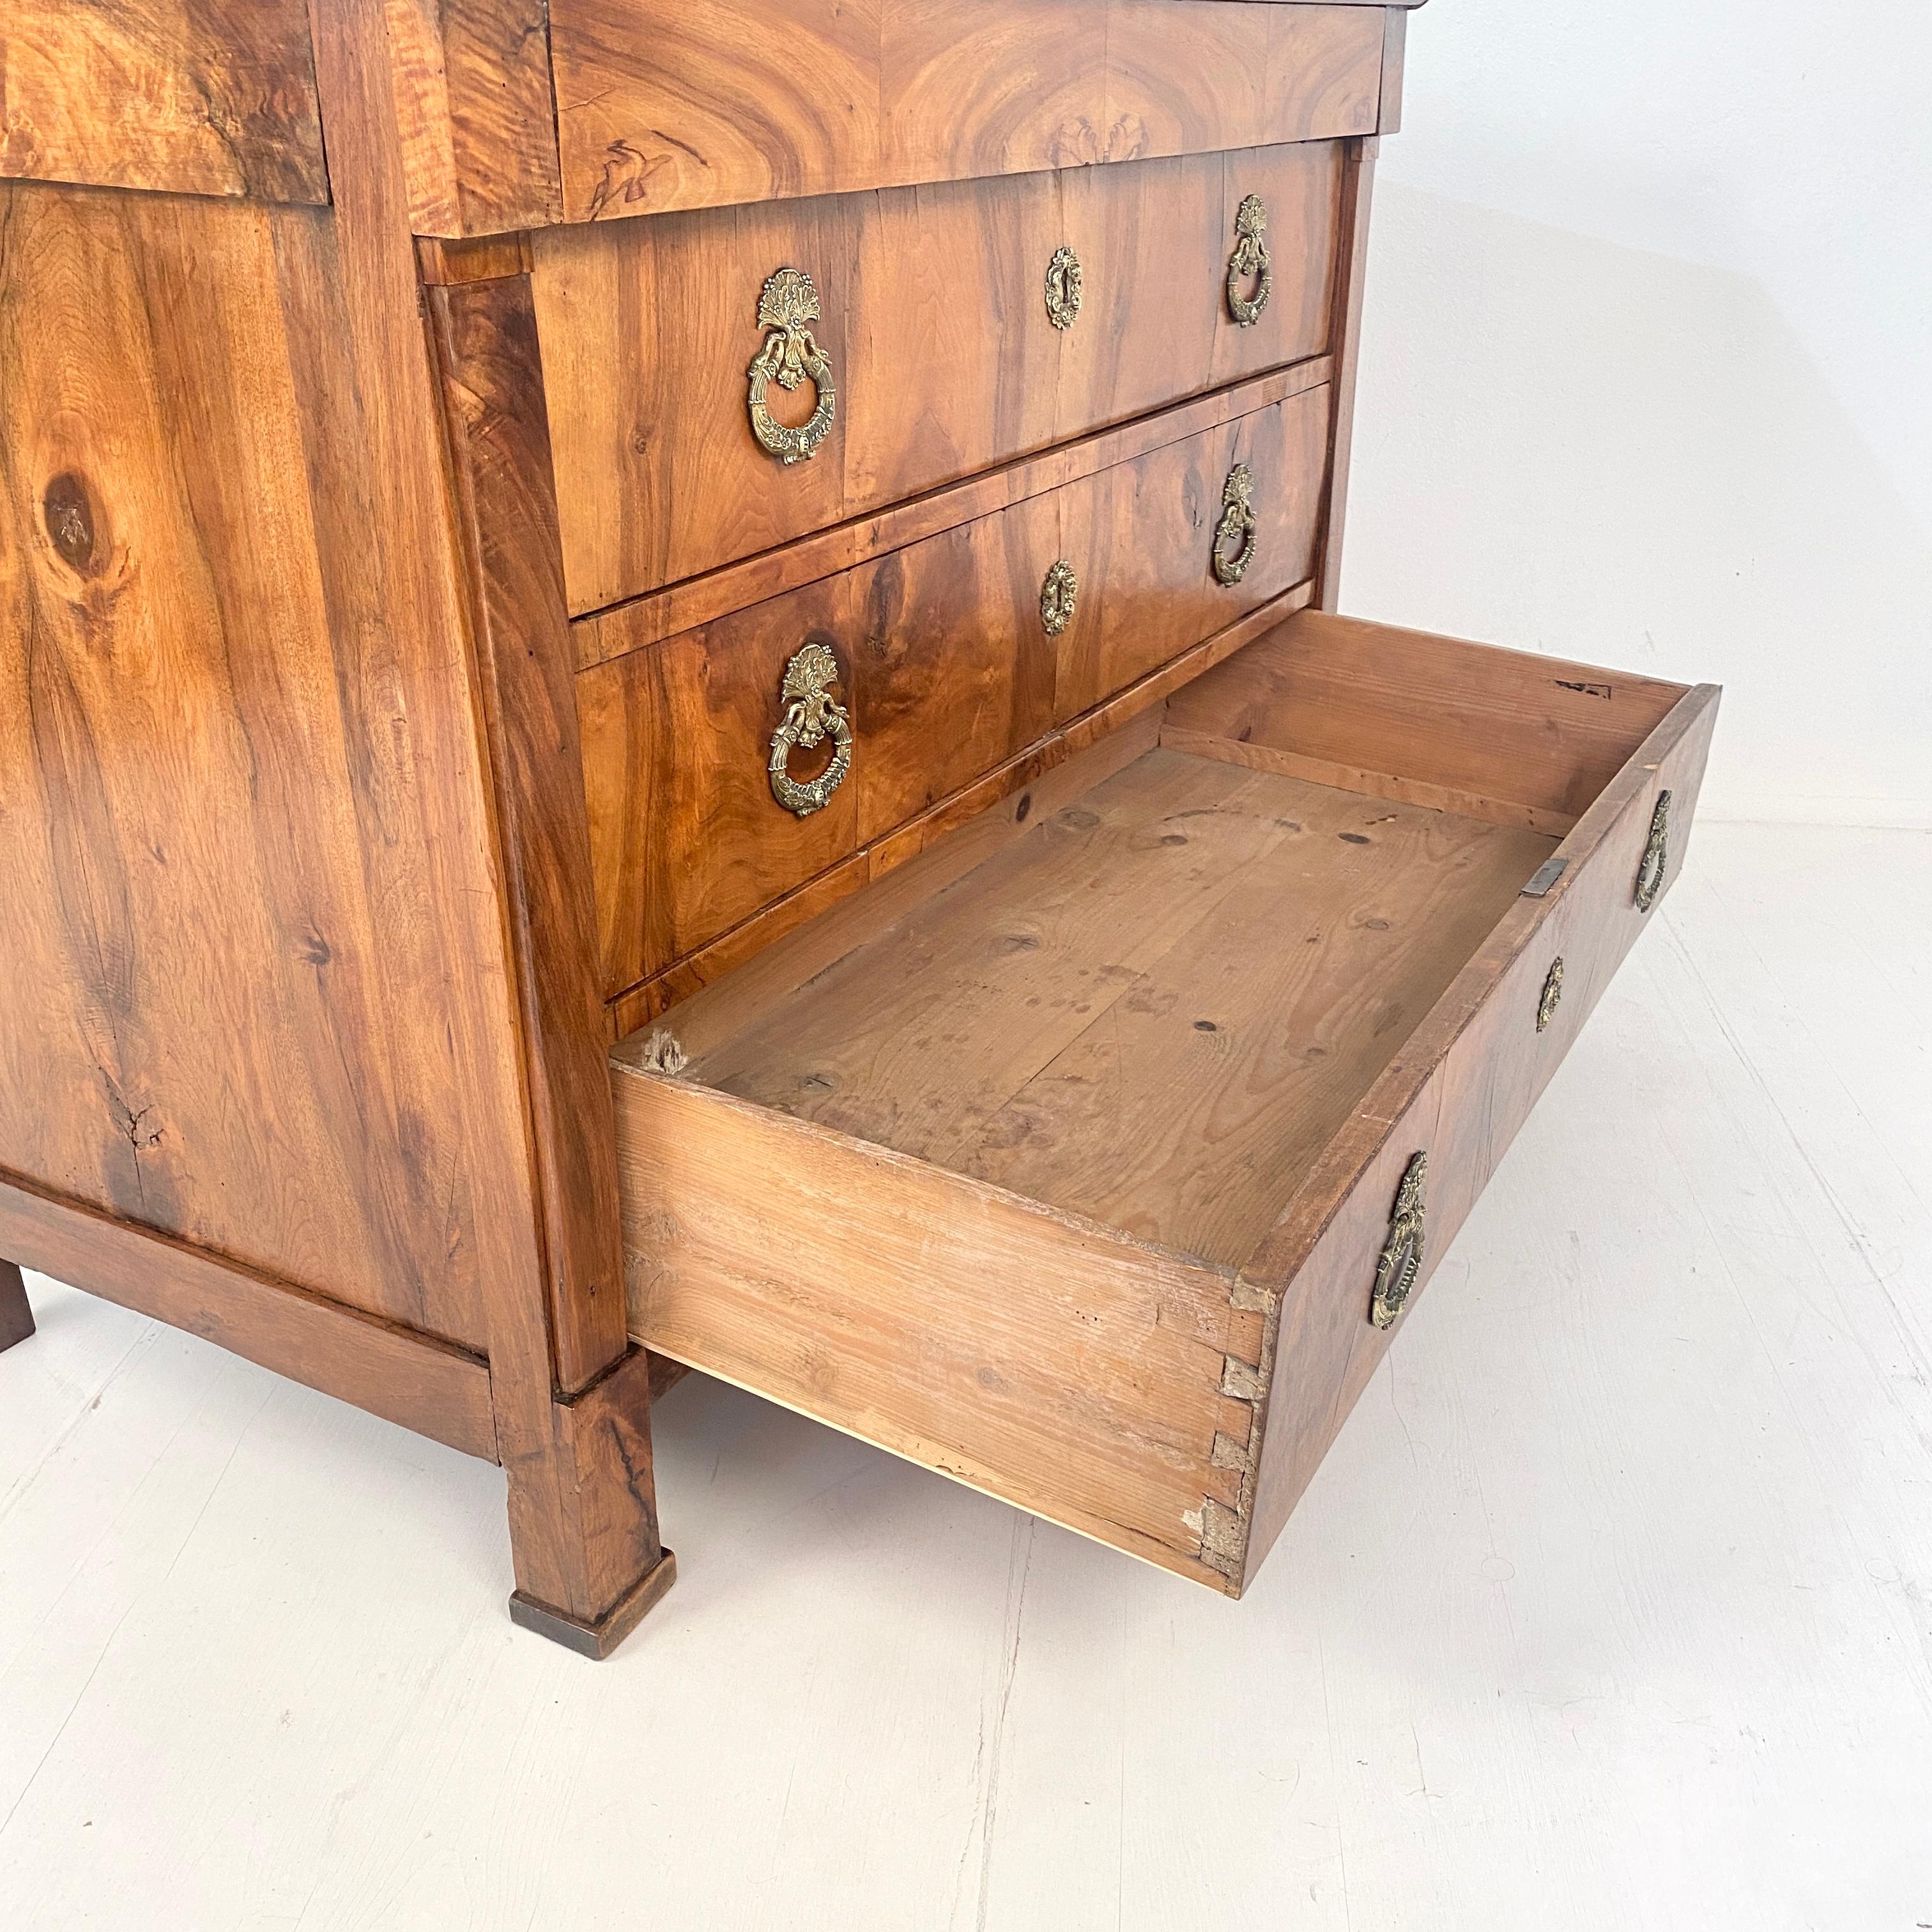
669,697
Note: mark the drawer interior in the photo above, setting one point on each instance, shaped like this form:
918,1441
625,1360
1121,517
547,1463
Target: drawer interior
989,1162
1152,1009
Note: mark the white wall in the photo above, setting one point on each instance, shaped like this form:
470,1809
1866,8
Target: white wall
1647,369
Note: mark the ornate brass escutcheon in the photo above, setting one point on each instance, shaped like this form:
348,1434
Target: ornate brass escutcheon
789,353
1234,534
1401,1259
1058,597
1062,287
811,715
1552,992
1656,855
1250,258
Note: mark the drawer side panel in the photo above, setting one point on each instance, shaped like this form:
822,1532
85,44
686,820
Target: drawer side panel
1459,1092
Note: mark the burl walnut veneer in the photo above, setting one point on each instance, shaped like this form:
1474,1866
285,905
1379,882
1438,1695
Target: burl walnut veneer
669,698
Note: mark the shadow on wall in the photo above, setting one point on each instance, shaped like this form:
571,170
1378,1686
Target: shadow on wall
1568,446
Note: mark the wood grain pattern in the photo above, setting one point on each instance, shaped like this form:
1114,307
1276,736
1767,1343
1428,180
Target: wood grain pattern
475,114
930,1360
1211,1010
649,620
646,344
433,1388
1039,1022
954,672
420,576
1188,1109
724,101
601,1458
189,96
16,1317
710,1011
1110,735
1114,1015
493,384
1260,757
686,837
1460,1089
1301,187
1511,730
953,365
212,812
1141,536
948,672
935,321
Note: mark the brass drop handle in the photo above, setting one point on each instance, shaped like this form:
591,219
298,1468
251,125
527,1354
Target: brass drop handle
789,352
1058,596
1062,287
1249,260
1234,534
1400,1261
1656,855
811,715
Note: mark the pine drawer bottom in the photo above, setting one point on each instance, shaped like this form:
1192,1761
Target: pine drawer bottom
1093,1158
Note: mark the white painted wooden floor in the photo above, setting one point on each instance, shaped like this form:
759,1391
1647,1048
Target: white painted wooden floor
1612,1607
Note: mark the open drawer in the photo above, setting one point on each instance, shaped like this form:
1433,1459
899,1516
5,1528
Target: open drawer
1091,1157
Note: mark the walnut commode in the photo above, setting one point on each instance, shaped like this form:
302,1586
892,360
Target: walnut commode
637,736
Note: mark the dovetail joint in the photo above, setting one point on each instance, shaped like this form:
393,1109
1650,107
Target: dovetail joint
1223,1530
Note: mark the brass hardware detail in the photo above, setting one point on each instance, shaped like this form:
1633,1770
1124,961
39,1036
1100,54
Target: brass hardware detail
1401,1258
1062,287
1250,258
789,353
812,714
1058,596
1234,534
1552,992
1656,854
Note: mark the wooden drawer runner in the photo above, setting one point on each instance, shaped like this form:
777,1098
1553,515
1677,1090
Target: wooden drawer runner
933,316
712,102
945,665
1062,1161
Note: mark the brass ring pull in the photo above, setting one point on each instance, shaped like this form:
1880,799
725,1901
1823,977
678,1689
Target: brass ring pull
1656,855
789,353
1401,1258
1250,258
1552,992
811,715
1234,534
1062,287
1058,595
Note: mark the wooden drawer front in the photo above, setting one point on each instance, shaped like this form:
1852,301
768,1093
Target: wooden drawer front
1137,535
934,318
946,668
185,97
1066,1172
719,101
